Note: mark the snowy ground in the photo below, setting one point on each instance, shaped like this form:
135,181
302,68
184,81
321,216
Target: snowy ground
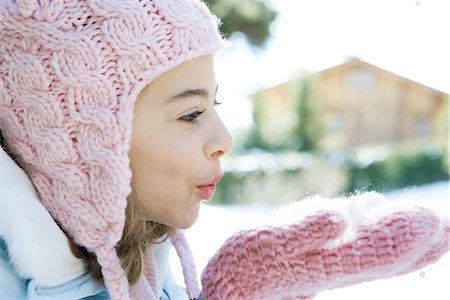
216,223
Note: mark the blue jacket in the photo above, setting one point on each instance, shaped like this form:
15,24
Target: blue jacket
35,258
12,286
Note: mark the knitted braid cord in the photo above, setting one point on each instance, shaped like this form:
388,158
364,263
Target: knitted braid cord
149,278
187,262
113,274
149,273
70,72
300,259
143,290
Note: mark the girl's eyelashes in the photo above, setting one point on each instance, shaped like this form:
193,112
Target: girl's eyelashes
192,117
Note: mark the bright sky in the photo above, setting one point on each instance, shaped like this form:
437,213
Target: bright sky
407,37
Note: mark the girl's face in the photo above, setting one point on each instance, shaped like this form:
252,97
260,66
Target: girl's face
176,143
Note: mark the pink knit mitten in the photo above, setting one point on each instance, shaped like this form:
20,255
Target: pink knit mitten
323,251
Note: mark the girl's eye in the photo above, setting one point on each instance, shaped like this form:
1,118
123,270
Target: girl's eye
192,117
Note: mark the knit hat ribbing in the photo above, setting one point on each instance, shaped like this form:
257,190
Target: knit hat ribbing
70,72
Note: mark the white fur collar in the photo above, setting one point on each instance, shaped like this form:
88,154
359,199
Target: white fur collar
38,248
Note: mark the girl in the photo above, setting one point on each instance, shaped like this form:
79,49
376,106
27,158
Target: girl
71,73
108,108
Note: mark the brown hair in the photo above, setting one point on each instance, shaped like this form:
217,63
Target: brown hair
139,233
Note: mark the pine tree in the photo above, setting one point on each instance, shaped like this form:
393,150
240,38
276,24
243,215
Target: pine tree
307,132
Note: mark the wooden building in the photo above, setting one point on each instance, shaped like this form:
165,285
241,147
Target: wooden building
358,104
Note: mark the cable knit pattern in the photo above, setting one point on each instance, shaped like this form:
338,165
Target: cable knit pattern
70,72
299,260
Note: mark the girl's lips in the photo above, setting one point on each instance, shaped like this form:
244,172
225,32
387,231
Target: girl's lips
208,189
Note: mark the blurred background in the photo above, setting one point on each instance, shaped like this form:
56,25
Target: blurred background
332,97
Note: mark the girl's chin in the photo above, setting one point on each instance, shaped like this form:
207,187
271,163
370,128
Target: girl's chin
188,220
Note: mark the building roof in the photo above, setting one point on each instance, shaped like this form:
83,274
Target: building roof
354,61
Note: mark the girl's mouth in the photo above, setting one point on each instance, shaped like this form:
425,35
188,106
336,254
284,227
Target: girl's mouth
208,189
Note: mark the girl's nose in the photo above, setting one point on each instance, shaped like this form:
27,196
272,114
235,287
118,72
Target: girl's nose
221,141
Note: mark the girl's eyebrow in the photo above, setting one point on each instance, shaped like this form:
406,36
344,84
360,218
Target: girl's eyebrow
193,93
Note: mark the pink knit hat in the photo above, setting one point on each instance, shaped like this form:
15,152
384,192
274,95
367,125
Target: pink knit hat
70,72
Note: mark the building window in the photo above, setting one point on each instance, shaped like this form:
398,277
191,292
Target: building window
337,123
422,128
360,79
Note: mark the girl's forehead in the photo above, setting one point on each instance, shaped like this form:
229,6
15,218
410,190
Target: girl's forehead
191,77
